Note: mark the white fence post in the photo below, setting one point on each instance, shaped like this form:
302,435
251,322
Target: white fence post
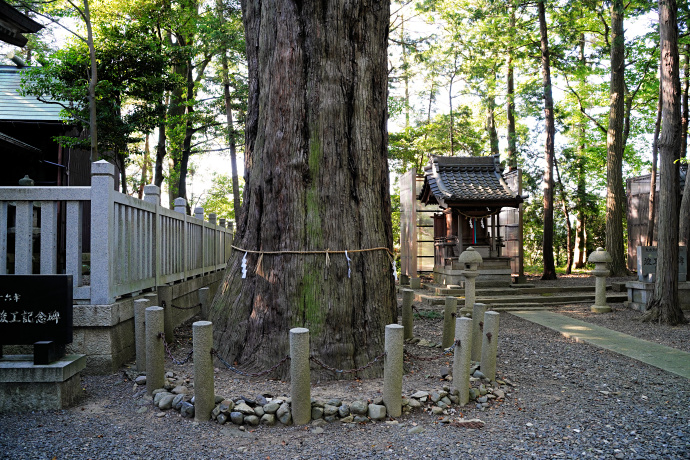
152,194
181,207
102,227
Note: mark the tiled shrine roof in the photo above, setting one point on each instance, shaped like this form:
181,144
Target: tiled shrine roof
466,181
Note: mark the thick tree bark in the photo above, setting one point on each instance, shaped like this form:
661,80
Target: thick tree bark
547,242
651,214
316,179
664,306
686,110
510,97
615,144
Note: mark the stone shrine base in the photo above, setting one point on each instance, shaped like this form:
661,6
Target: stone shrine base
25,386
493,272
640,291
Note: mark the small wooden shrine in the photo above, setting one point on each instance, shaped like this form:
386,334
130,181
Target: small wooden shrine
470,193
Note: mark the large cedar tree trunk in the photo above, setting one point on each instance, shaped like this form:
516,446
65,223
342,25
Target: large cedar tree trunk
664,306
615,144
547,242
511,151
316,179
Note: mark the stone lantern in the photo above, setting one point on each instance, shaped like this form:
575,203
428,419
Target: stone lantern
600,258
469,260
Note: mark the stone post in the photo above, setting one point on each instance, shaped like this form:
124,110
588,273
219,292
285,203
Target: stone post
393,370
221,222
471,260
165,299
204,301
231,226
600,258
449,312
140,307
415,283
300,380
152,194
461,359
180,205
407,298
477,328
212,219
204,392
199,213
155,352
404,279
490,345
102,231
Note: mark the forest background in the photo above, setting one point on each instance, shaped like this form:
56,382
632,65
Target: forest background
167,82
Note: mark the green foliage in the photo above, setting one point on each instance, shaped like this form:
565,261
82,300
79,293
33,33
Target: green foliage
218,198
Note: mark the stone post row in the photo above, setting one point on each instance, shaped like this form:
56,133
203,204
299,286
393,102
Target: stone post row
155,352
477,327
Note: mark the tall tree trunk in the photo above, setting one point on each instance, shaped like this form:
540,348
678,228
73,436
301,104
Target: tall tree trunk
581,193
568,226
316,179
651,211
451,130
664,306
686,110
615,145
684,214
93,81
510,96
547,242
491,126
160,149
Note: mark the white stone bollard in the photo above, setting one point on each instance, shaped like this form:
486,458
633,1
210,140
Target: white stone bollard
407,298
204,301
199,213
300,380
449,312
155,351
140,307
165,298
152,194
461,359
393,370
204,391
477,328
490,345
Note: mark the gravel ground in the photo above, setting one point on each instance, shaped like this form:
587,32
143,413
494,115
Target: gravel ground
569,400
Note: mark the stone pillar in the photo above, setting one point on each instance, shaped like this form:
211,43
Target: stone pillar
165,299
140,307
212,219
180,205
407,298
461,359
204,301
477,328
204,396
600,258
155,352
300,380
102,231
490,345
152,194
415,283
404,279
449,312
470,260
221,222
199,213
393,370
